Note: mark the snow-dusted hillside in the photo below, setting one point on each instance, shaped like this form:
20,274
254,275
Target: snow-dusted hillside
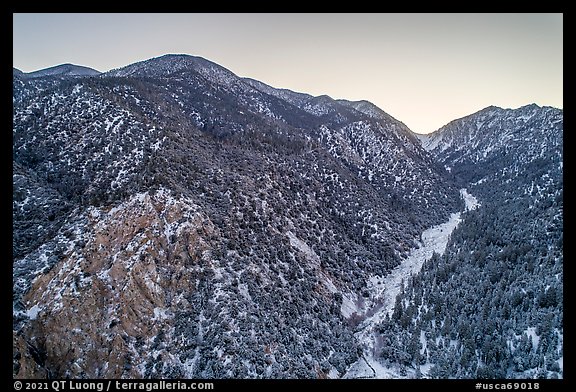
236,215
502,139
211,226
491,306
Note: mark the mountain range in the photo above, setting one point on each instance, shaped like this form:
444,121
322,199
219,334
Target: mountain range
62,70
174,220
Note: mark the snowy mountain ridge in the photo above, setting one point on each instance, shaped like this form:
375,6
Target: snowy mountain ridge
60,70
213,226
483,129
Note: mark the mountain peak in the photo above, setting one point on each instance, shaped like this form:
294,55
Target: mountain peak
492,129
367,108
530,106
168,64
66,69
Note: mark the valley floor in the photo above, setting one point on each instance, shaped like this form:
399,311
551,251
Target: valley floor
384,291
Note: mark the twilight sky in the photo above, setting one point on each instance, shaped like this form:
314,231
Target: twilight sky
423,69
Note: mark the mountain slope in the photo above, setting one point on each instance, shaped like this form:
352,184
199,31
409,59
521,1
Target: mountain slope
492,305
199,217
498,139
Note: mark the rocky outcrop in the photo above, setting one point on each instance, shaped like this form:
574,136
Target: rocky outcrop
103,305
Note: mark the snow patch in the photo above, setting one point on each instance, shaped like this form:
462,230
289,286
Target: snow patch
470,201
32,313
303,247
160,313
349,307
531,332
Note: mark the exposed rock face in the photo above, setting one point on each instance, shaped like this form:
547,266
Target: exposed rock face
103,305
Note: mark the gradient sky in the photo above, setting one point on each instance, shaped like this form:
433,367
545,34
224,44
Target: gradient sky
423,69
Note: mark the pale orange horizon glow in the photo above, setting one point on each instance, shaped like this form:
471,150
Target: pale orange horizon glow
423,69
